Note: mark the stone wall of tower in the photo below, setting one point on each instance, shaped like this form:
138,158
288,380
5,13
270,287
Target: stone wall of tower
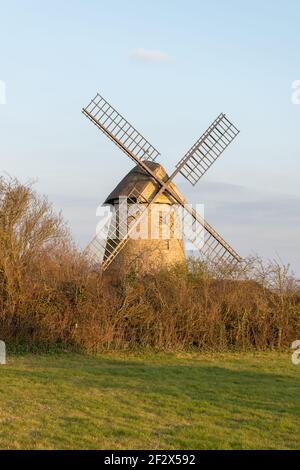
147,256
158,243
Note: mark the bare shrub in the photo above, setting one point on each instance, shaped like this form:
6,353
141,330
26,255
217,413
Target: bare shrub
50,294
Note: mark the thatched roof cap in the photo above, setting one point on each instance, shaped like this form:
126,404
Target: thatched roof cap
145,185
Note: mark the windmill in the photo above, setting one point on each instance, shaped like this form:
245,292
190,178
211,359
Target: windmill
148,186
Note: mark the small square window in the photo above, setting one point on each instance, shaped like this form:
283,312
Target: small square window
166,244
163,219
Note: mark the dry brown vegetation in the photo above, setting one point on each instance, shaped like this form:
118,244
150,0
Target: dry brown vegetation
50,295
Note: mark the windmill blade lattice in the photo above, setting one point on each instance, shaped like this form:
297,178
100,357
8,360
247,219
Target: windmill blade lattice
119,130
207,149
104,248
193,165
204,237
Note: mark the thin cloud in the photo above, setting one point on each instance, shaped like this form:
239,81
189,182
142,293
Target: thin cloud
147,55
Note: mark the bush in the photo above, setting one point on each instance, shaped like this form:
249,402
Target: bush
50,295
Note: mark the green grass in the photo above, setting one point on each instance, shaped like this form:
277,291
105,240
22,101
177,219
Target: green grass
150,401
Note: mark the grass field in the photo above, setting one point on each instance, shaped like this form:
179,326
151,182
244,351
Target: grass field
150,401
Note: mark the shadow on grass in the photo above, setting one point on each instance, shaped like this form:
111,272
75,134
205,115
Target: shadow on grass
203,382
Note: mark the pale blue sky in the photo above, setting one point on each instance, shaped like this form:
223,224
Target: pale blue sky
239,57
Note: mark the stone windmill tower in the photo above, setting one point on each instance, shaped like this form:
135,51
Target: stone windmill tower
157,240
151,218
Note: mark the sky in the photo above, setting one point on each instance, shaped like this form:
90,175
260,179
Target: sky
170,67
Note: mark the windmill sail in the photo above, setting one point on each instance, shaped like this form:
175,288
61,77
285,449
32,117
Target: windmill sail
206,239
192,166
104,247
119,130
207,149
213,247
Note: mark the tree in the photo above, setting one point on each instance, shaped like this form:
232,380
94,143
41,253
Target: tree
29,229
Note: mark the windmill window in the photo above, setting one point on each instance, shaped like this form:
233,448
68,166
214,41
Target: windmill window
166,244
163,219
